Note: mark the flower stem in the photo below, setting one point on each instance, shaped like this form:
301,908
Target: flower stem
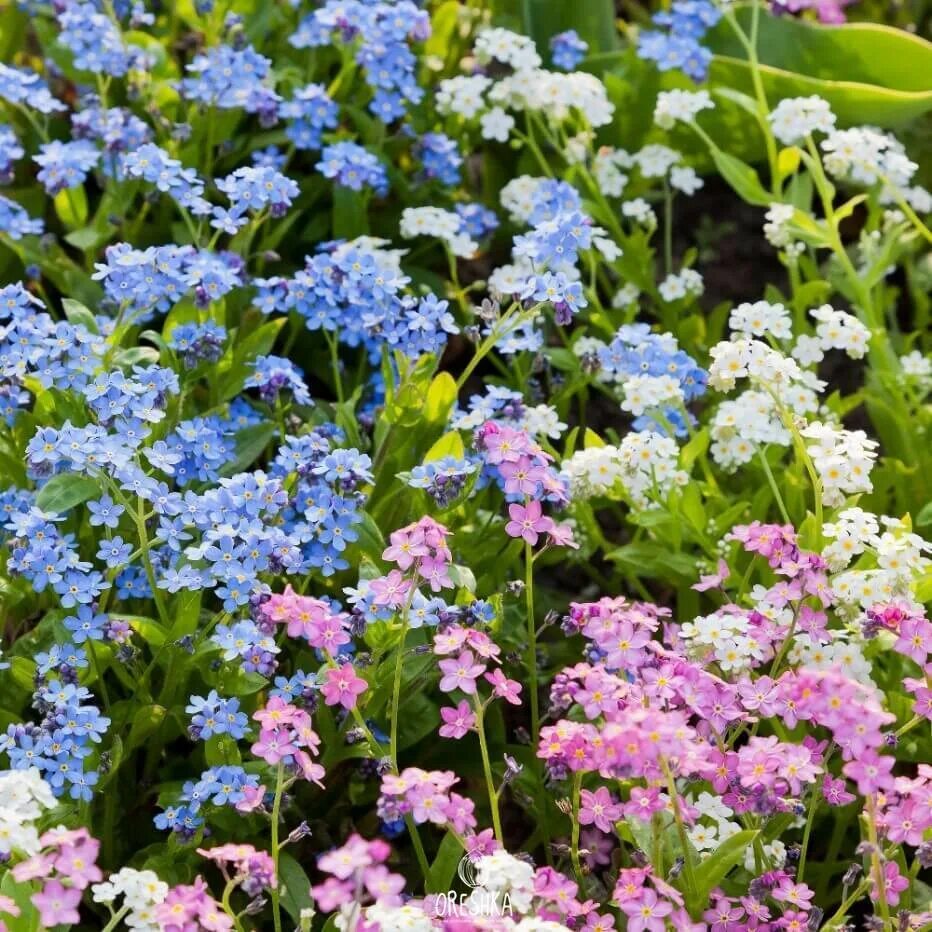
276,811
487,767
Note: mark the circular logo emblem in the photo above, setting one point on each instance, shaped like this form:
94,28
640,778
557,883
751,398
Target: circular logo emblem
466,871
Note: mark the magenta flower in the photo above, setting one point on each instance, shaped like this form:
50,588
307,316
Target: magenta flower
600,809
504,688
528,522
342,686
390,591
457,721
460,673
57,905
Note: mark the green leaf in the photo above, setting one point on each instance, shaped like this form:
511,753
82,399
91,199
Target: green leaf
594,20
350,215
441,396
867,72
250,443
71,207
79,315
296,888
653,561
62,492
711,872
450,444
440,876
742,178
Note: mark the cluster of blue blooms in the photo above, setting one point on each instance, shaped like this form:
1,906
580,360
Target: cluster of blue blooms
233,78
218,786
198,343
378,36
444,480
96,42
635,350
140,282
354,167
679,47
310,113
567,50
357,290
62,743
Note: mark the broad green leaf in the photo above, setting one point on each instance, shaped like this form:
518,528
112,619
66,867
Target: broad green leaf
712,871
62,492
296,888
742,178
441,396
250,443
440,877
79,315
450,444
71,207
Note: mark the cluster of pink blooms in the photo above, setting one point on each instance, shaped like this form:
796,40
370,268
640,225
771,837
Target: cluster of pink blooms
252,870
421,553
467,653
357,874
286,737
426,796
912,629
191,908
523,470
308,618
66,866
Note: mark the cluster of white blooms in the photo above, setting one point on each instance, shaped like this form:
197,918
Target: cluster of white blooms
643,393
680,285
761,318
142,891
680,105
918,368
542,421
382,916
496,124
640,211
851,533
24,796
508,48
650,466
895,559
839,653
656,160
723,636
707,836
842,458
593,471
577,147
510,279
555,94
502,874
795,118
759,363
777,231
442,224
518,195
742,425
684,179
838,330
462,95
866,155
626,295
608,169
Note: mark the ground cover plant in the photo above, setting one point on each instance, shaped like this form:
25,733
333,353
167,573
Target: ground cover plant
464,466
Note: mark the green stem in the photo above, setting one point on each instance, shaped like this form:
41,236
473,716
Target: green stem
807,831
680,826
276,811
574,842
115,919
487,767
880,886
531,652
773,485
